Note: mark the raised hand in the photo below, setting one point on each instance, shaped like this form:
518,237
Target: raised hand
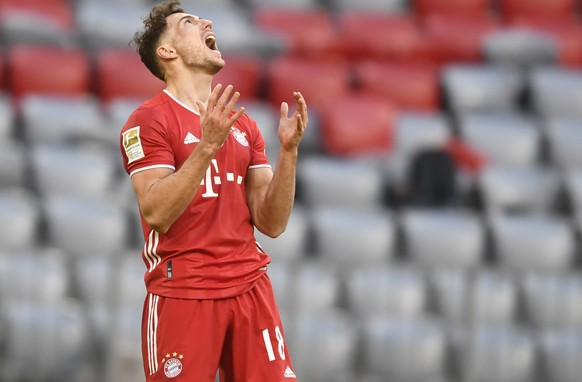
217,117
291,129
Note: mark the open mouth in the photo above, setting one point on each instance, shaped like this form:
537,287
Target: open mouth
211,42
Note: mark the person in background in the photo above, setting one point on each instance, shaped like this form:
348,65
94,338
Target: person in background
203,183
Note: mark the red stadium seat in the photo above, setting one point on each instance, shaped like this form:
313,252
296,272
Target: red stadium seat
121,74
307,31
318,80
357,124
407,86
2,71
455,38
48,70
386,36
567,35
58,11
244,73
472,8
542,10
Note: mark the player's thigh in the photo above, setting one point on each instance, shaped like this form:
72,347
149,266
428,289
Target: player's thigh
182,339
256,350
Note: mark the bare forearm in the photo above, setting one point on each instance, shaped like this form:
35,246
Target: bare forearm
166,199
278,201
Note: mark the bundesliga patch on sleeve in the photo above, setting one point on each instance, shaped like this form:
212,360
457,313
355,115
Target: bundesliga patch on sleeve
132,145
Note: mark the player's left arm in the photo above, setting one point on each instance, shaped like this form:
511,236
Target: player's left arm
270,195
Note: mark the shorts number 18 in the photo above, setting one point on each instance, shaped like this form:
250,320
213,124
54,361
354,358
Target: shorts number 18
269,346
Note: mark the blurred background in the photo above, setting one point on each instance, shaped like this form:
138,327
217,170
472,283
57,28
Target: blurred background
436,232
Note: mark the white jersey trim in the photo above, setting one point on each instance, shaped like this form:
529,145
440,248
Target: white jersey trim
180,103
260,166
150,167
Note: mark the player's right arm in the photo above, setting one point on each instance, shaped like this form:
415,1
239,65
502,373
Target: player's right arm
163,194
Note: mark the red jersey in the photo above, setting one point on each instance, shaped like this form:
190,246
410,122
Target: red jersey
210,252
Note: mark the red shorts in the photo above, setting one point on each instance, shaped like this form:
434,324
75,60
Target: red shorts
189,340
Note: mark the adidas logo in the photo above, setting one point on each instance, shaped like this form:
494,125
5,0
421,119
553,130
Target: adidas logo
289,373
190,138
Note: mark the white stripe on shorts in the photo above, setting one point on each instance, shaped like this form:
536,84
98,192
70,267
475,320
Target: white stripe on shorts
152,330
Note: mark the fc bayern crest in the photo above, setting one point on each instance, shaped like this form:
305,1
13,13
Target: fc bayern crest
172,367
240,137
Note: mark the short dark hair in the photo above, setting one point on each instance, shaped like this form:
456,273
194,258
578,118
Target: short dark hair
146,39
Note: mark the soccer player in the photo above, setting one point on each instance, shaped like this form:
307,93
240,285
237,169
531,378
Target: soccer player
203,183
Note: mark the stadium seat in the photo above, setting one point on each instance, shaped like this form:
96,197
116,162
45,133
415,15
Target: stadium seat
14,159
416,131
404,349
75,171
389,36
315,37
521,47
481,297
121,74
437,238
386,291
50,119
285,5
482,87
573,188
315,288
518,189
493,354
556,92
291,245
532,242
64,71
128,275
52,337
42,276
321,80
324,347
123,356
372,6
221,4
561,353
94,279
108,24
405,85
350,236
84,226
37,21
20,219
504,138
357,125
558,10
7,113
463,8
281,273
244,74
322,181
565,36
454,39
553,301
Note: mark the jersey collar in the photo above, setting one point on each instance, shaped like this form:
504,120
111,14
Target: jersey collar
180,103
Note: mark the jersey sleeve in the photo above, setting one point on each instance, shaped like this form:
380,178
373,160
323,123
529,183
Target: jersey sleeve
145,144
258,147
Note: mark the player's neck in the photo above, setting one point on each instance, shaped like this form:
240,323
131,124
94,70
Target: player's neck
191,88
